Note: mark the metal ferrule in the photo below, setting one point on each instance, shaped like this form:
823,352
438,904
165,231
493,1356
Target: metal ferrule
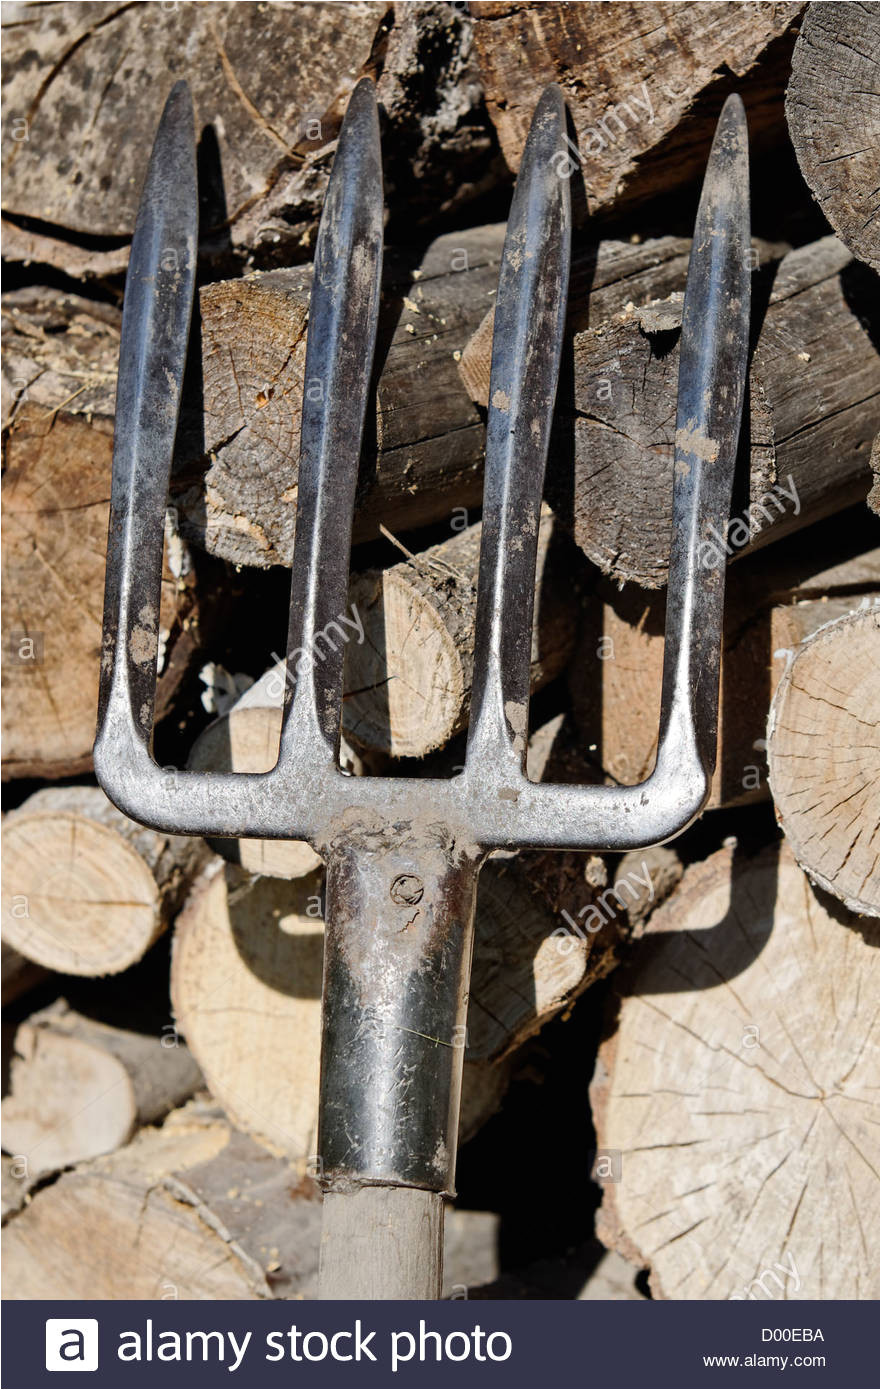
397,959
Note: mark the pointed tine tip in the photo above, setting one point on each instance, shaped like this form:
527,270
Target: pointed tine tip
360,127
548,124
174,145
363,99
546,141
733,108
732,131
179,103
551,101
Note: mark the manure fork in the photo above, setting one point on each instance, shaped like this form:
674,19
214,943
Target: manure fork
402,854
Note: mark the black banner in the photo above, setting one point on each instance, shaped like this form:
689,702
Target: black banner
542,1346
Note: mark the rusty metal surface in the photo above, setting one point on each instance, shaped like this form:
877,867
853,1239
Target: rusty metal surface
403,854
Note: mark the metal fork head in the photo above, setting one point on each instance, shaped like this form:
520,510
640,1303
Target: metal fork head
403,854
491,804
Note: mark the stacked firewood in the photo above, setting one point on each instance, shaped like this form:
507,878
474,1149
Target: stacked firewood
164,993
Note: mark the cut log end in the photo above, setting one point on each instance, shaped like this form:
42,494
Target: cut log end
246,990
823,758
79,1088
86,891
77,898
736,1101
408,682
832,112
405,683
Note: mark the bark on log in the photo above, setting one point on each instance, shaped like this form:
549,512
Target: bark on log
772,605
813,415
190,1210
408,682
735,1100
531,960
643,116
59,380
823,757
270,87
86,891
79,1088
604,279
832,112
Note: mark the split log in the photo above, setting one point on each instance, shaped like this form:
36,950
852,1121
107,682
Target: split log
813,414
832,112
643,117
823,757
59,381
408,682
188,1211
86,891
269,87
79,1088
531,959
735,1100
615,676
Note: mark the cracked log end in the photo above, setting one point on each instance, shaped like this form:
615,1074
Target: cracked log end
736,1100
832,113
86,891
823,758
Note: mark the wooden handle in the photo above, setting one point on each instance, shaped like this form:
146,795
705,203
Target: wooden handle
382,1243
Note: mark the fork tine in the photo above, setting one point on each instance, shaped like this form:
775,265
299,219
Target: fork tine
527,345
343,313
712,380
153,346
